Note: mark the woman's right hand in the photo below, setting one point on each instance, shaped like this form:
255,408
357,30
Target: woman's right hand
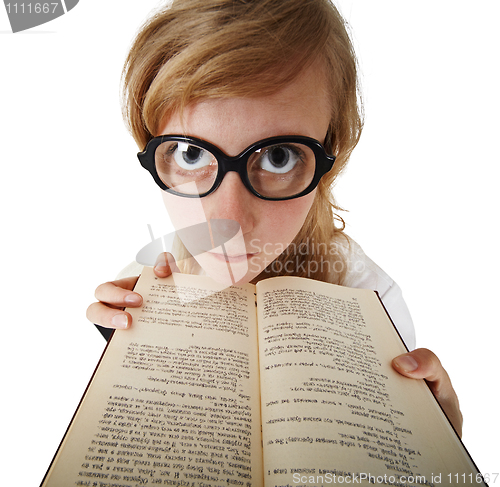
113,296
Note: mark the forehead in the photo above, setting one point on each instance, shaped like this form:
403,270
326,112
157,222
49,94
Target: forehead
302,107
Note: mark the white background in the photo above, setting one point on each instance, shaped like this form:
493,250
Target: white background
421,190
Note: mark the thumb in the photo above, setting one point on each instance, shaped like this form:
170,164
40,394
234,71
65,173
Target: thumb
420,364
165,265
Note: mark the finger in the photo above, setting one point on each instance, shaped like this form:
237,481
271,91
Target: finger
423,364
165,265
119,293
103,315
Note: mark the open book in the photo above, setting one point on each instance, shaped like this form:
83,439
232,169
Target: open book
285,383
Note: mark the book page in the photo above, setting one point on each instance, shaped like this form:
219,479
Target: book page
333,409
175,399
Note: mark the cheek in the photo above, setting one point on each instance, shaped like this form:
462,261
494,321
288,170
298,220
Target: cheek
285,219
183,212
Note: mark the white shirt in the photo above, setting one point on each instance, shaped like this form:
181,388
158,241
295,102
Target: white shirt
363,273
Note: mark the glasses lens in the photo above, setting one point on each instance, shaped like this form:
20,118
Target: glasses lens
281,171
185,168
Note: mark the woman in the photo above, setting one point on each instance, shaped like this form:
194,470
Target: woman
217,79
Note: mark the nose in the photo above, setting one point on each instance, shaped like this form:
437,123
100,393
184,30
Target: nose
232,201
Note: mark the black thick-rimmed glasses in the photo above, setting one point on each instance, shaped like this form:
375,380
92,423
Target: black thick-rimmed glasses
277,168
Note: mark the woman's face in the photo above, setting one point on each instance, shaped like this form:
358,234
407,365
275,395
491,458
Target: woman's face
233,124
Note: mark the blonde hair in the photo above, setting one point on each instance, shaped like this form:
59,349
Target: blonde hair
199,49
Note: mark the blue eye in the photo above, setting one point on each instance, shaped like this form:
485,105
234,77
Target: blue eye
279,159
191,157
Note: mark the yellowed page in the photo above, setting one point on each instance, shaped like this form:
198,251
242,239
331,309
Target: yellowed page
175,400
333,409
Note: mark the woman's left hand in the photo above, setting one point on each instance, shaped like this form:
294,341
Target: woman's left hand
423,364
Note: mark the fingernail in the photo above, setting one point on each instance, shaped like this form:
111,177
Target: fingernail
120,321
160,262
132,299
407,363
